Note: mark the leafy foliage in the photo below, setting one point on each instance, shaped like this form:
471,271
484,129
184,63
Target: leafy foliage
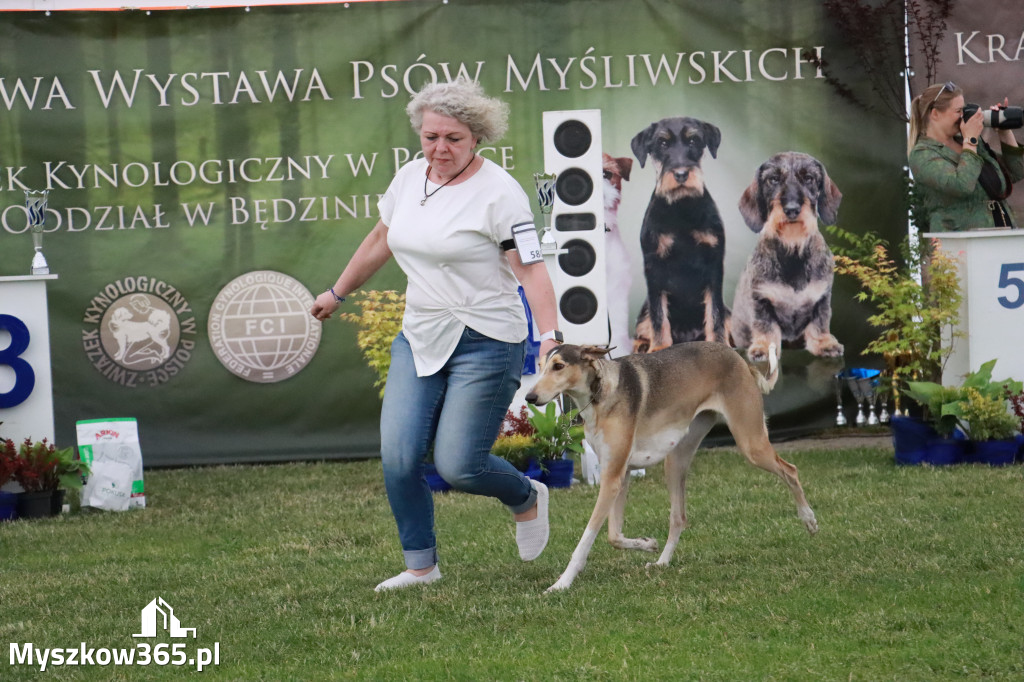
877,30
555,433
978,406
379,322
41,466
1017,405
914,313
8,460
517,448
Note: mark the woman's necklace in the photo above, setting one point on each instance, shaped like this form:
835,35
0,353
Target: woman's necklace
426,196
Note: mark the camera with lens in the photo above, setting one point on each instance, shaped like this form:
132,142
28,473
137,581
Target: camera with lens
1003,118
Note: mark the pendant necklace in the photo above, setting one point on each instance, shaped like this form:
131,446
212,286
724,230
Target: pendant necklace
426,196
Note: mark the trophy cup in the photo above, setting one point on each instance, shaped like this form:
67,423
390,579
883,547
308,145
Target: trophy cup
545,183
868,388
883,415
840,417
35,206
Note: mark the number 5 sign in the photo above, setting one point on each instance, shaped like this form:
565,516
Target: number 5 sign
991,268
26,390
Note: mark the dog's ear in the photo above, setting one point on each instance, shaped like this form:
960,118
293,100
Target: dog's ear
591,353
625,165
751,205
829,197
713,138
642,142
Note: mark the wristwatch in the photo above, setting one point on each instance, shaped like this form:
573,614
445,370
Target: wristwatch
973,141
553,334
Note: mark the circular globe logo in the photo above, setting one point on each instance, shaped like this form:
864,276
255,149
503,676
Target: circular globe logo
260,327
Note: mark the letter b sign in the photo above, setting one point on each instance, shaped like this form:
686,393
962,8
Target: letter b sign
24,377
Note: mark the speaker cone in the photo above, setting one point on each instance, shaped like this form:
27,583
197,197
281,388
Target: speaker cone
574,186
580,259
578,305
572,138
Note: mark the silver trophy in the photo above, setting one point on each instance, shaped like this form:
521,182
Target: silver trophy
868,388
840,417
545,183
35,206
863,384
883,415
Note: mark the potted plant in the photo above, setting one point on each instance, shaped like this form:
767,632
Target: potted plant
519,450
44,473
1017,405
556,435
978,408
8,464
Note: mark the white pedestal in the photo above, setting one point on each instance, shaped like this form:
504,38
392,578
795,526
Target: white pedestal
26,387
991,269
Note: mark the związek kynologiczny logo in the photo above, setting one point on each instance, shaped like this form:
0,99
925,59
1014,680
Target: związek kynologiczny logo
139,331
157,615
260,327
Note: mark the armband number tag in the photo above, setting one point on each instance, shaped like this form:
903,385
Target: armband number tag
527,244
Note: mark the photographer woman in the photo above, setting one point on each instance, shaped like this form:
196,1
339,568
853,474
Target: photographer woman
964,183
448,220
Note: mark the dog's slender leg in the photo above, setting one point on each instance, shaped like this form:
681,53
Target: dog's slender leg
615,520
754,444
677,465
613,473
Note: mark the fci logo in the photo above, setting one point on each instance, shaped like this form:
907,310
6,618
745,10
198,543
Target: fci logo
159,612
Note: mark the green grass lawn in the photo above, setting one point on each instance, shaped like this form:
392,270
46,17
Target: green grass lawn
917,574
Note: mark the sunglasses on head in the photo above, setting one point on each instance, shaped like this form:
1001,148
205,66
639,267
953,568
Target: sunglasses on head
948,85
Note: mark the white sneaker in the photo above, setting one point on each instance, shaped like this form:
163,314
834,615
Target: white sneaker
532,536
406,579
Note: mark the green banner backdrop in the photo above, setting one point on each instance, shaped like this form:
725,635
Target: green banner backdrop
209,169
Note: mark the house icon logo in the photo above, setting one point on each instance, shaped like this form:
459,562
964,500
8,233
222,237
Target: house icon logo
159,613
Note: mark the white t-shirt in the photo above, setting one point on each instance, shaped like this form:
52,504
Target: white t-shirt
450,250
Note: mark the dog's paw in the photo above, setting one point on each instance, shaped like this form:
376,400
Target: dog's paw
647,544
810,521
825,347
560,585
655,564
759,353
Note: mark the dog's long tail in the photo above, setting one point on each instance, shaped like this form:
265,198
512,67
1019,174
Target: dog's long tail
766,382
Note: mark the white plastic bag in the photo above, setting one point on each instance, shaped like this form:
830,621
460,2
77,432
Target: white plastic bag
111,448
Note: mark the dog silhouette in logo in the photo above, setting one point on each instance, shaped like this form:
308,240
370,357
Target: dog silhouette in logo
144,339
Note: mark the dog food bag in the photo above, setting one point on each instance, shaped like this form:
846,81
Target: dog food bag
111,449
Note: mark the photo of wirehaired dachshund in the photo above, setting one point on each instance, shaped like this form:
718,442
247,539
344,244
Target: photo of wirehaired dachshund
784,294
682,238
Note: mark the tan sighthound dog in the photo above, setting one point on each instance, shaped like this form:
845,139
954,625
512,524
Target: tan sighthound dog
641,409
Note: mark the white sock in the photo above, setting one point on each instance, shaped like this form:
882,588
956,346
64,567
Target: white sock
406,579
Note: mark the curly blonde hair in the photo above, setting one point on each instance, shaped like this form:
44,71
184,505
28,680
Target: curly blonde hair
465,101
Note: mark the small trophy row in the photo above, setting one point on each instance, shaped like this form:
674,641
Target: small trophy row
864,385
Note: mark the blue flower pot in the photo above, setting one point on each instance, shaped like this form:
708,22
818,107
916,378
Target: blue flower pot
946,451
8,506
434,480
559,473
533,470
910,438
996,453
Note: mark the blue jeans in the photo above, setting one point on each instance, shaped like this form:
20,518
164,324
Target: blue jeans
458,410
